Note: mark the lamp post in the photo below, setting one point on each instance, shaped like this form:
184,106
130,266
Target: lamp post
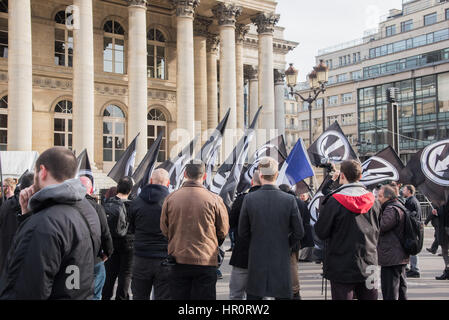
318,79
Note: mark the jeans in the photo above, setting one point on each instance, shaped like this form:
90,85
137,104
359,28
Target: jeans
119,265
100,277
237,284
190,282
394,283
147,273
232,232
346,291
414,263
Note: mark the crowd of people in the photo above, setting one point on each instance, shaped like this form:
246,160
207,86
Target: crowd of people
59,242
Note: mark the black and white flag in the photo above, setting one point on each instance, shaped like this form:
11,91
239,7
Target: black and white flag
177,166
429,171
332,146
274,148
125,165
384,166
209,152
142,175
228,175
84,168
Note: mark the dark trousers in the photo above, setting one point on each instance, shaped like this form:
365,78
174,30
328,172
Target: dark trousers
232,233
119,265
394,283
148,272
346,291
436,242
188,282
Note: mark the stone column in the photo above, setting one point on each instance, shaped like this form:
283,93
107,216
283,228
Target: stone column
20,70
265,27
279,93
240,31
252,76
226,15
212,81
185,80
200,31
137,75
83,78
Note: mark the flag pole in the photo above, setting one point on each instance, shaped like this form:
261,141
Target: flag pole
1,181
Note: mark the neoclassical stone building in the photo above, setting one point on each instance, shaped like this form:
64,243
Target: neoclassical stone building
96,74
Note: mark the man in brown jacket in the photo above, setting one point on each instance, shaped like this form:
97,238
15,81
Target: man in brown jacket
195,222
391,256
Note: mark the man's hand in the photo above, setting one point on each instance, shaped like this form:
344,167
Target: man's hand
336,175
435,212
24,198
104,258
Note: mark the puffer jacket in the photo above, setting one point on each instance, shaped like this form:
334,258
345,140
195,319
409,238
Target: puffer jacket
389,249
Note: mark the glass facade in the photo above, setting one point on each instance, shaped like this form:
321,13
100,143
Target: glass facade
423,113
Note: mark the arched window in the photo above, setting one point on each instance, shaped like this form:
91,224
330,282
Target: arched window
157,122
156,58
3,28
114,130
3,123
63,124
114,47
63,41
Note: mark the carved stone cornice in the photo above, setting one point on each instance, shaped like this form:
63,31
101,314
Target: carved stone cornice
137,3
201,26
212,43
240,32
226,14
279,77
185,8
250,72
265,22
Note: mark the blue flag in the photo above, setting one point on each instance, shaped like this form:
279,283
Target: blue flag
297,167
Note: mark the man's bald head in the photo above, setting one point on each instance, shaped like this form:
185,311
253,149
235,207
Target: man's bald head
160,176
88,184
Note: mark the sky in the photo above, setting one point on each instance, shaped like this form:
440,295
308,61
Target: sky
323,23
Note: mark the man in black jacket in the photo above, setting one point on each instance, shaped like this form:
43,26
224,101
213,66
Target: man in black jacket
150,245
412,204
119,264
54,250
9,223
239,257
106,239
349,225
442,213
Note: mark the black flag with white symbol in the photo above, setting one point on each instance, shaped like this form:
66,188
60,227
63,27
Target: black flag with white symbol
429,171
209,152
384,166
125,165
176,167
142,175
228,175
332,146
84,168
274,148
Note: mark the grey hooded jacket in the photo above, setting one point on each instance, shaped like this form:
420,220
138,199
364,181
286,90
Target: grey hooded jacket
53,252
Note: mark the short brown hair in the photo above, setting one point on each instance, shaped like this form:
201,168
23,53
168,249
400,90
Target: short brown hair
352,169
59,161
389,192
195,170
269,168
411,189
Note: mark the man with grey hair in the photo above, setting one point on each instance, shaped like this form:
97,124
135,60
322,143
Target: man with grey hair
150,245
239,257
271,222
391,256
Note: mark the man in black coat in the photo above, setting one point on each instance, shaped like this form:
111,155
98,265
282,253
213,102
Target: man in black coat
54,250
150,245
106,248
239,257
349,225
9,213
442,214
270,219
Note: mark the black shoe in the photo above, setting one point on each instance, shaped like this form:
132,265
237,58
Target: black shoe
444,276
229,250
413,274
319,261
431,251
440,255
407,269
296,296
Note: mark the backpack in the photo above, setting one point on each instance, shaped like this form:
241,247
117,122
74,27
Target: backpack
413,240
117,217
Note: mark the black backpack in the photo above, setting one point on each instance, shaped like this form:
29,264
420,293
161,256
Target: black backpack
117,216
413,240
